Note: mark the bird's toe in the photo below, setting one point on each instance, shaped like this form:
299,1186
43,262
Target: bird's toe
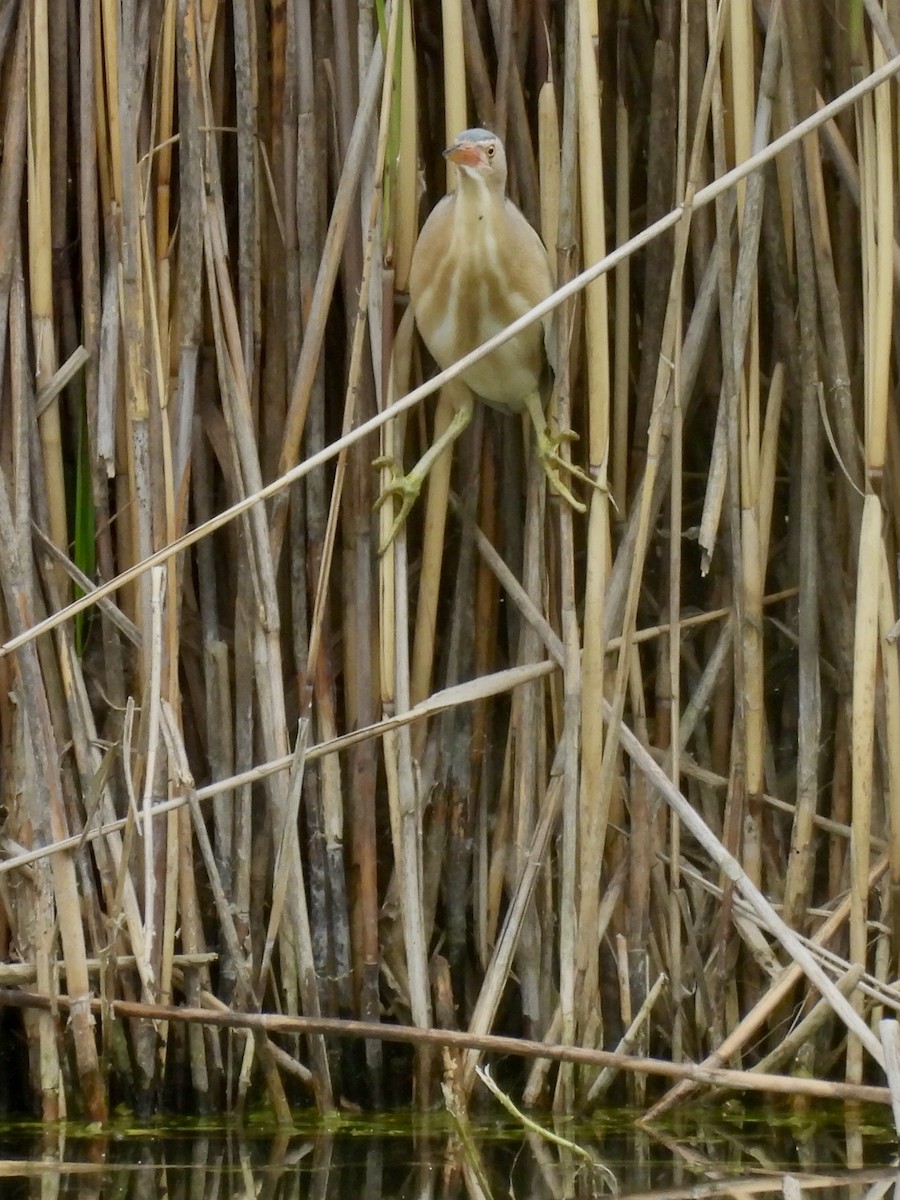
405,488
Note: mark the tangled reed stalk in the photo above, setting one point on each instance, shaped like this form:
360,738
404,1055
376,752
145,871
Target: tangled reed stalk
628,781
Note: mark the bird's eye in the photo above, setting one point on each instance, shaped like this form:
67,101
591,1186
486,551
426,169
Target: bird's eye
490,150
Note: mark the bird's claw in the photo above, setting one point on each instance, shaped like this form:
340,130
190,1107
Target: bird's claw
407,487
552,463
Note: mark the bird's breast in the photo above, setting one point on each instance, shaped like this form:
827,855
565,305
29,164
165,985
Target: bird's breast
474,272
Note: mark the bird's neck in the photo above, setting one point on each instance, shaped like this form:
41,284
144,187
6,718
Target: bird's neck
476,196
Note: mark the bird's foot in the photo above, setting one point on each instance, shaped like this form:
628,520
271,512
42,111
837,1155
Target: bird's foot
404,486
407,486
552,463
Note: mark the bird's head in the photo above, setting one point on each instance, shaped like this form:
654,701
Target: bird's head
480,155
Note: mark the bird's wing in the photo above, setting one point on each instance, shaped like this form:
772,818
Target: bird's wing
541,278
431,246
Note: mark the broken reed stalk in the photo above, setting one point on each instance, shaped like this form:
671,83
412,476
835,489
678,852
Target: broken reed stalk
236,317
274,1023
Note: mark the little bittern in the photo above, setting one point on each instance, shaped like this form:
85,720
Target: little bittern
478,265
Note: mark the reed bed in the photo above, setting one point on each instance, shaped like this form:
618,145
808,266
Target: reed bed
627,781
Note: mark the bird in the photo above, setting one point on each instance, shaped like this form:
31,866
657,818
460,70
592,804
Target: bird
479,265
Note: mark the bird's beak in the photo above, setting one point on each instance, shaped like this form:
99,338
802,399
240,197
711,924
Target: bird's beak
464,154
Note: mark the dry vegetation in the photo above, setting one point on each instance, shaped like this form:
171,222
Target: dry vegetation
627,779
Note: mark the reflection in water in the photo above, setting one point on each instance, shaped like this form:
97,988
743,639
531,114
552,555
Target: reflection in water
431,1159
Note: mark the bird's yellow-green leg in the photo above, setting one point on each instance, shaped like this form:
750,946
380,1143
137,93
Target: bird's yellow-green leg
408,486
549,457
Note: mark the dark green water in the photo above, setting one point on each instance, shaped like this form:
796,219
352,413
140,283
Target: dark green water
718,1154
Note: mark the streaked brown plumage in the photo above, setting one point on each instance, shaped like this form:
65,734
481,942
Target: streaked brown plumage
478,265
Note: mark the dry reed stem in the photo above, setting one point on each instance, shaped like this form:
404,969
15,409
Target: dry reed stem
48,820
452,397
865,652
403,794
40,245
274,1022
595,787
473,691
704,196
767,1003
308,362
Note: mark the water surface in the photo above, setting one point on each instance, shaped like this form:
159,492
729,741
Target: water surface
717,1153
